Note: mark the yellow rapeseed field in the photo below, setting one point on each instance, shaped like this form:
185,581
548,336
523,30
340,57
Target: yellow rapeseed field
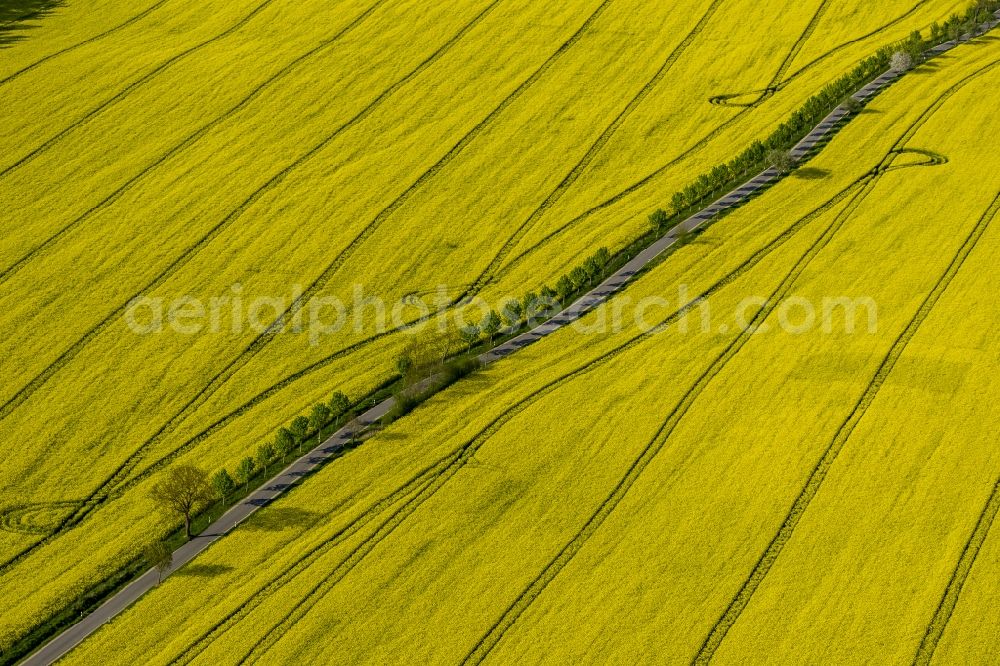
686,493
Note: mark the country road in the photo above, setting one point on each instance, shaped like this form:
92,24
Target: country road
275,487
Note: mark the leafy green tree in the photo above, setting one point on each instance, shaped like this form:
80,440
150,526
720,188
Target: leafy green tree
490,325
679,202
158,555
284,443
183,490
658,219
602,257
265,456
339,404
299,428
320,417
579,277
511,313
954,28
470,334
404,365
529,305
564,289
223,484
245,471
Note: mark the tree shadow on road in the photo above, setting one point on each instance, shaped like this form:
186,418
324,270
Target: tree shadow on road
203,570
18,16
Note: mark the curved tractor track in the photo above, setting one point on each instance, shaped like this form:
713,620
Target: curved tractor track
419,489
694,148
588,157
772,86
832,450
528,596
778,83
407,495
425,484
100,494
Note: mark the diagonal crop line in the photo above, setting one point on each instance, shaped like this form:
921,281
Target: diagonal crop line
935,630
467,451
36,383
130,88
262,340
776,83
101,493
470,448
355,557
594,149
818,59
190,140
287,381
826,461
138,17
527,597
607,203
320,282
799,44
303,562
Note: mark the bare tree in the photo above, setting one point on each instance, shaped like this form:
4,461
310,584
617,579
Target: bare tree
183,490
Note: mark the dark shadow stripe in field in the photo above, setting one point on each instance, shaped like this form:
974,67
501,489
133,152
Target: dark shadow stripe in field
461,455
274,389
138,17
36,383
818,474
246,406
320,282
121,474
15,15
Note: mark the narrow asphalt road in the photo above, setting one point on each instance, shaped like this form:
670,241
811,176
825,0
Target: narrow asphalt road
68,639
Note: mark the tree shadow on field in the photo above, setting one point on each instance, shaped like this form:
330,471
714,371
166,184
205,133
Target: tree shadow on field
811,173
275,519
203,570
16,16
929,67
